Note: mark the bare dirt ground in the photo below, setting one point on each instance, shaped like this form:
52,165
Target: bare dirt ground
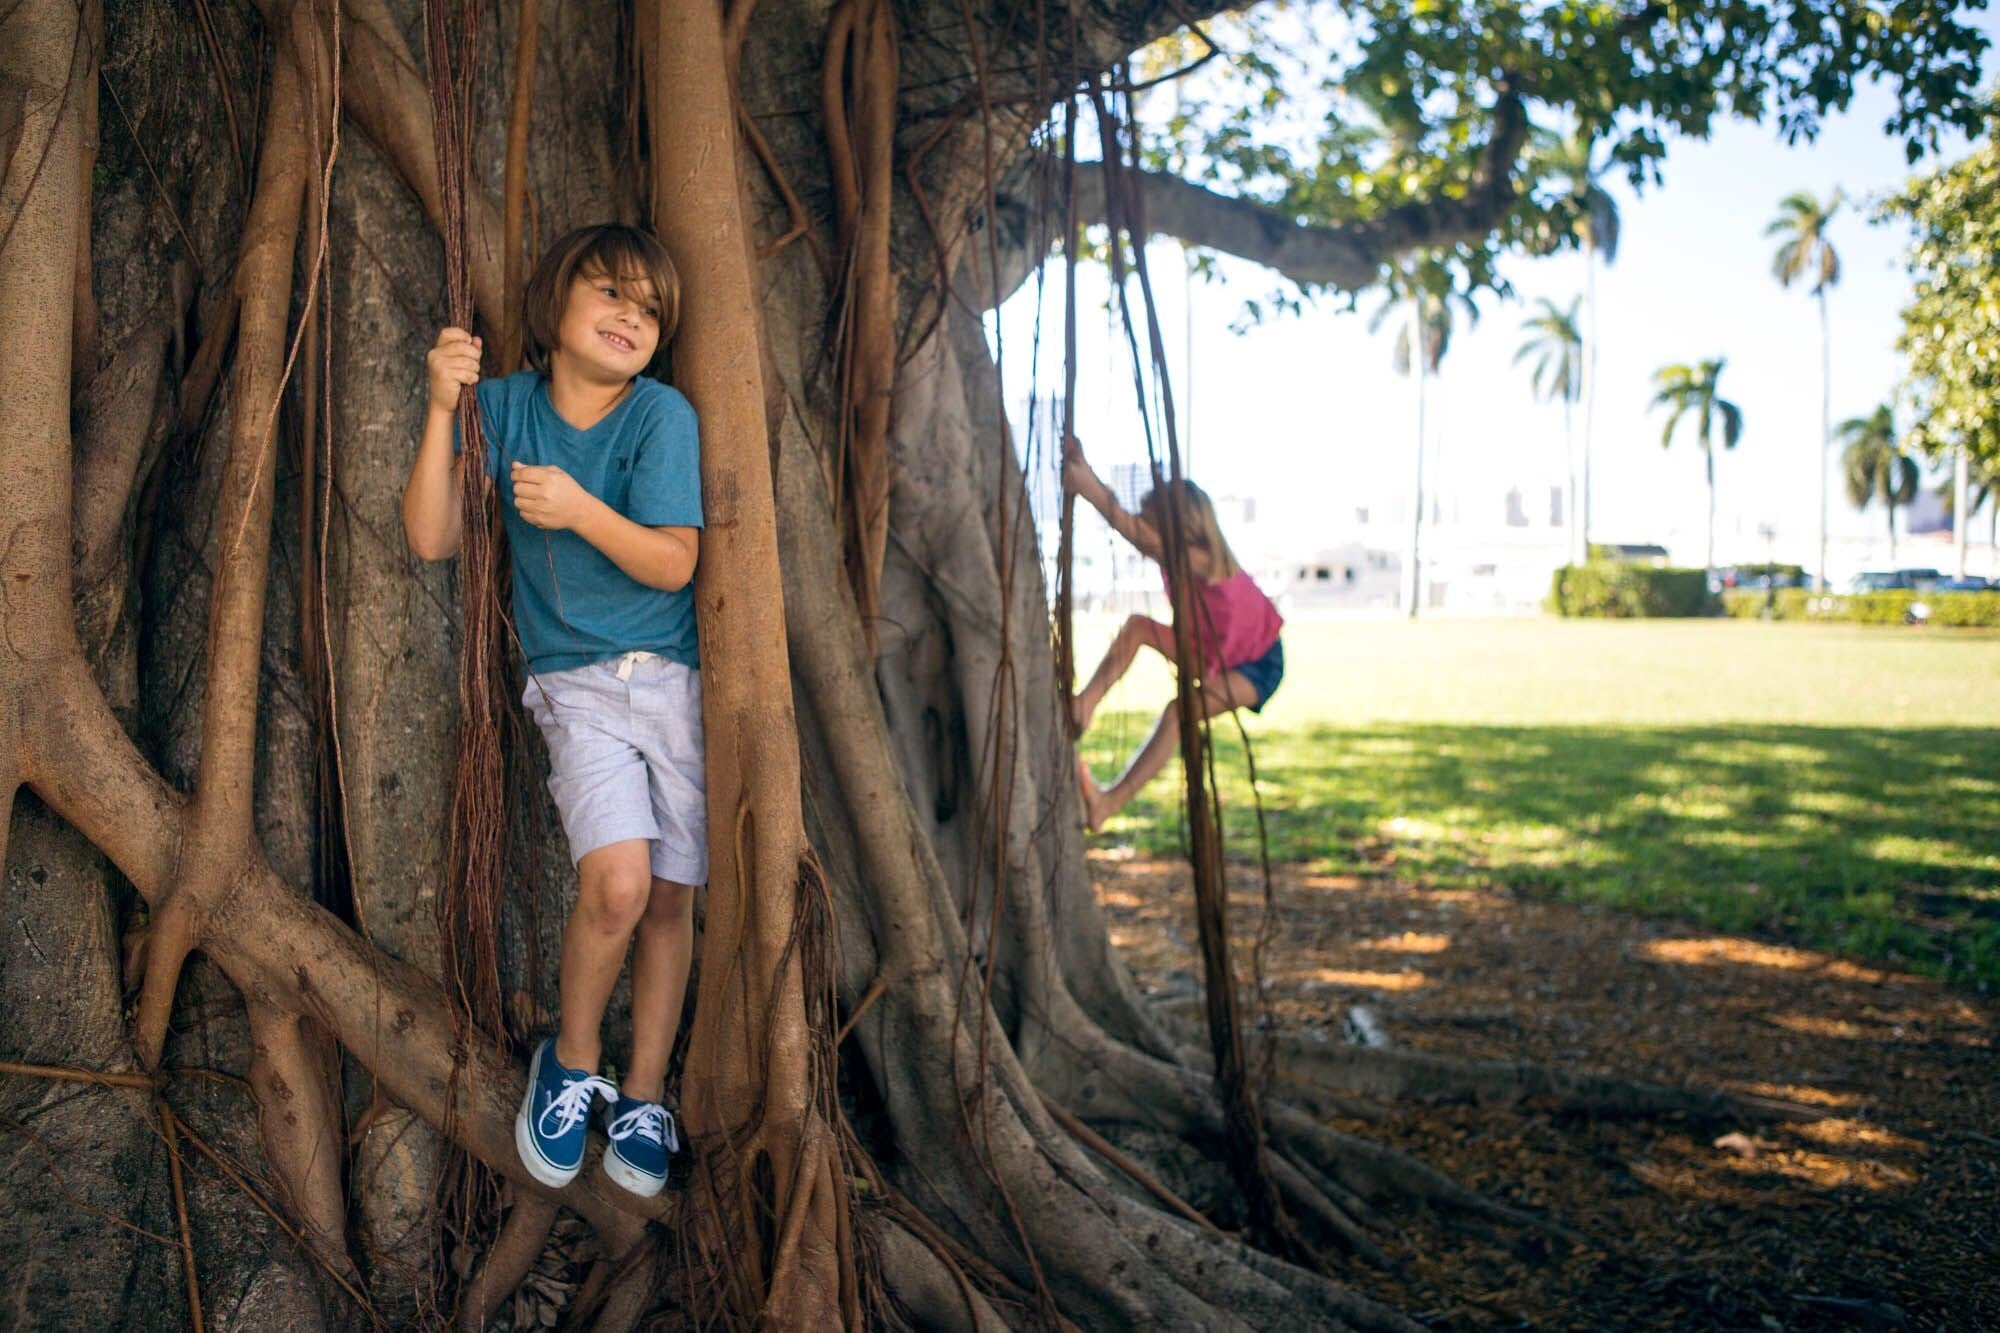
1884,1213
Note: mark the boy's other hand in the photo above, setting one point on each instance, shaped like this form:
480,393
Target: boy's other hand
548,497
452,363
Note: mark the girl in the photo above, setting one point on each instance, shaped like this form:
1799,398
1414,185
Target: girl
1235,628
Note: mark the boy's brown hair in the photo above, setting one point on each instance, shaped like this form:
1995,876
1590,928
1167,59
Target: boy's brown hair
625,254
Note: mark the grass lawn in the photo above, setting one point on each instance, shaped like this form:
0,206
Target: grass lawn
1834,785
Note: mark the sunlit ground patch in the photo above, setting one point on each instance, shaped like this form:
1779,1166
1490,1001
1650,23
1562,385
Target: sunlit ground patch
1749,953
1804,1095
1410,941
1858,1136
1394,981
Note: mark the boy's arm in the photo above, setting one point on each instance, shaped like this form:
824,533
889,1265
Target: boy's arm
432,522
662,558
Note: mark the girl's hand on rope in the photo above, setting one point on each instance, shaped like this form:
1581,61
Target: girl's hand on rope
1077,473
453,363
549,497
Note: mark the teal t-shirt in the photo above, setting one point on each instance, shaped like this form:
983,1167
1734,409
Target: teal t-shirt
572,605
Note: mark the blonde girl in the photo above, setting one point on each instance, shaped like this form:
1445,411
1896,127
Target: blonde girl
1236,627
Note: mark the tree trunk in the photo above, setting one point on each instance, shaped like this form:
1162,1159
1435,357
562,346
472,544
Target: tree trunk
1825,432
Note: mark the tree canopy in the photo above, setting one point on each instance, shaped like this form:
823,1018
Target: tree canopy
1951,327
1458,127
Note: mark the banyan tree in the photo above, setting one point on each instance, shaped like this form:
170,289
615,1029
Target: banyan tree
261,1053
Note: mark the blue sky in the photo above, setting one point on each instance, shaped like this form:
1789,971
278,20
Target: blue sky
1305,413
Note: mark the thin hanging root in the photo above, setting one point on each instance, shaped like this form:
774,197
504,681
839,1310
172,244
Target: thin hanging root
1097,1143
514,197
1395,1075
170,1128
795,212
67,1074
514,1251
235,1177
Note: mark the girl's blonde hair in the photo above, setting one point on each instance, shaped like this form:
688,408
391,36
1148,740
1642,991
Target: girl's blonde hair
1198,523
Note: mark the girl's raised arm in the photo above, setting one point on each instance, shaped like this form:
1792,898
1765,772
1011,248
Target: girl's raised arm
1086,483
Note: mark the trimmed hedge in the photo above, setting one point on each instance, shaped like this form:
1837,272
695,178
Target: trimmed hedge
1959,610
1608,589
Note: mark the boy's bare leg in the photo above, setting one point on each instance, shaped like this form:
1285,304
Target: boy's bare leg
614,885
1232,691
1137,632
662,952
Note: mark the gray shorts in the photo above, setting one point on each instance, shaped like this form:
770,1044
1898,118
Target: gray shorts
625,758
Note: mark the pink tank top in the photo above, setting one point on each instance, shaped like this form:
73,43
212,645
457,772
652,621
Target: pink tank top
1241,624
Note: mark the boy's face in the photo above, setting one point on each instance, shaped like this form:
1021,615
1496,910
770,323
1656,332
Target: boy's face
610,326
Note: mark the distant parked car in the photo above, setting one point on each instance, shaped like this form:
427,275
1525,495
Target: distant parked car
1894,580
1970,583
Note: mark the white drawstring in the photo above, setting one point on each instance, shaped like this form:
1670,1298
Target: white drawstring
626,662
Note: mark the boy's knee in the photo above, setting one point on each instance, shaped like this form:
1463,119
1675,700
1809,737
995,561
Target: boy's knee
615,895
669,904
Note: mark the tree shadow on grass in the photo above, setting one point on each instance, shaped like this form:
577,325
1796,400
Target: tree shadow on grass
1884,844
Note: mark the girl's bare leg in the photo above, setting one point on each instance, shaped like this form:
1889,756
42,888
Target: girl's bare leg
1233,691
662,950
1137,632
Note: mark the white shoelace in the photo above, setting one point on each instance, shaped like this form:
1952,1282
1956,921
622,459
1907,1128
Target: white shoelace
573,1104
649,1121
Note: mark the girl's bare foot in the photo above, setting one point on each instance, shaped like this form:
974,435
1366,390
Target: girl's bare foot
1093,797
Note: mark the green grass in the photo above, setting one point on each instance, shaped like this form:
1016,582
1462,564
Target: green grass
1834,785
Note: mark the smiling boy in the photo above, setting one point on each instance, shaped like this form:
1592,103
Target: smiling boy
597,467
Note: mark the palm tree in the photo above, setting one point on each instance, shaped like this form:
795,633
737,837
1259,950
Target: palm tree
1686,390
1595,227
1557,349
1876,466
1429,309
1805,253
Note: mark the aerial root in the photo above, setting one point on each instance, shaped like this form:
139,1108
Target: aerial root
520,1242
619,1287
1305,1193
1402,1075
1376,1172
935,1292
1097,1143
154,958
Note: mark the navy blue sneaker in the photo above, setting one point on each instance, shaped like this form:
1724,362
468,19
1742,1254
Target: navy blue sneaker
643,1134
554,1122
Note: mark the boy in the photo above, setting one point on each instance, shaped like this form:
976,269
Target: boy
597,469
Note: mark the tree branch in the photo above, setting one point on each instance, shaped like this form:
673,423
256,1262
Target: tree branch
1348,255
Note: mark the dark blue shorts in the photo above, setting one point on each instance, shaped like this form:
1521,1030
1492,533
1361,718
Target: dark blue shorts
1264,673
